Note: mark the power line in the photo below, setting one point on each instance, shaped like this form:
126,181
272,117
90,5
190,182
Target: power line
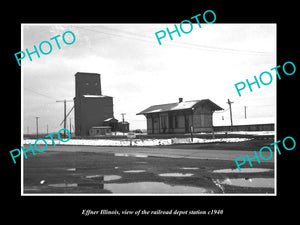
210,48
256,96
181,44
38,93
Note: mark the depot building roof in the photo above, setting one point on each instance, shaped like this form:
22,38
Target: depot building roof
181,105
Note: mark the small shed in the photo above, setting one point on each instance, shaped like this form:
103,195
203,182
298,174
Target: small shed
123,126
99,130
112,122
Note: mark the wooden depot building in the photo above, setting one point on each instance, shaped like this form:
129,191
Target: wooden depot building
180,117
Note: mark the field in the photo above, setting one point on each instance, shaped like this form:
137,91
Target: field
106,170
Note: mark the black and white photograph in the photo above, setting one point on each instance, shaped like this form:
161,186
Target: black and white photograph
145,118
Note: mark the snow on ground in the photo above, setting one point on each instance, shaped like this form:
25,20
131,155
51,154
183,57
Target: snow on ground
134,142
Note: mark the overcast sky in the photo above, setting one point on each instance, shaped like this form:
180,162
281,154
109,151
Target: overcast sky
138,72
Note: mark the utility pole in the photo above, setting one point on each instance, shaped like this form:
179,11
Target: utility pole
47,129
37,126
245,112
123,117
65,113
70,126
229,103
123,122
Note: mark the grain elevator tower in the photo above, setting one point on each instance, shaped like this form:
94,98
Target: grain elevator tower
91,107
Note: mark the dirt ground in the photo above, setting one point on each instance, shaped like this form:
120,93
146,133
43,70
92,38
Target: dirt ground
97,173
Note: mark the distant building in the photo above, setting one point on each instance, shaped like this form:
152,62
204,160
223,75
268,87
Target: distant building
180,117
116,125
99,131
93,111
123,126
